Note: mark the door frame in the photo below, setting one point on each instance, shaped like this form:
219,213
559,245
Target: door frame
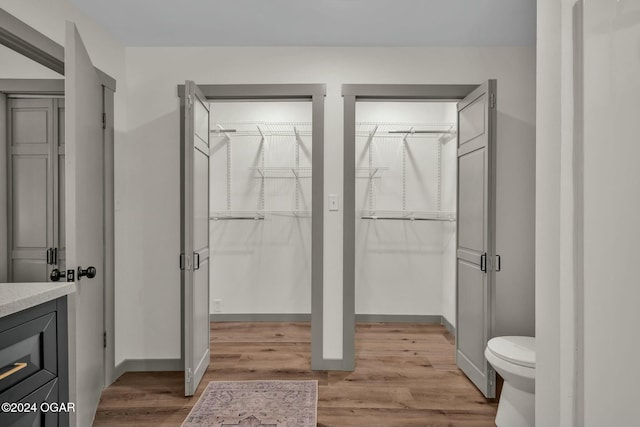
352,93
27,41
304,92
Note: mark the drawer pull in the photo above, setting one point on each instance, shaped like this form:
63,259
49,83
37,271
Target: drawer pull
16,367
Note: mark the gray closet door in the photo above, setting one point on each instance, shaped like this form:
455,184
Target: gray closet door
194,259
84,223
476,234
36,188
31,188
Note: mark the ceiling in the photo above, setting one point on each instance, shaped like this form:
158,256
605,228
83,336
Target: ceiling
316,22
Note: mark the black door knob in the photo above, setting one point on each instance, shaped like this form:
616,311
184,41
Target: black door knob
55,275
90,272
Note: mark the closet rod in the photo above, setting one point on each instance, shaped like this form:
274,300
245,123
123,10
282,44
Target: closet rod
223,130
406,218
248,218
412,131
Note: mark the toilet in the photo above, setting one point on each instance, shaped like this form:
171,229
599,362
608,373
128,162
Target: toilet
514,359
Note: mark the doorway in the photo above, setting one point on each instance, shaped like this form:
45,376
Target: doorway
262,148
472,123
405,203
261,211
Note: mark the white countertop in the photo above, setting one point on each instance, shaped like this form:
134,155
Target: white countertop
16,297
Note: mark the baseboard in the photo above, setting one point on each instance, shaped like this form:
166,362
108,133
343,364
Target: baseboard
260,317
435,319
333,365
399,318
449,326
147,365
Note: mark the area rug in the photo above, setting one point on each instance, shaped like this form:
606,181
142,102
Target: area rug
256,404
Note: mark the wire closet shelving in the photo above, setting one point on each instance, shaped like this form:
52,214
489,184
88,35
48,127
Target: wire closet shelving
280,131
398,132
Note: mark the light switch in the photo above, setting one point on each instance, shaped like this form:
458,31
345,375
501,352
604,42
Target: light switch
333,202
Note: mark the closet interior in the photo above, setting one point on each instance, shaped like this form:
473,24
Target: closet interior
260,210
405,211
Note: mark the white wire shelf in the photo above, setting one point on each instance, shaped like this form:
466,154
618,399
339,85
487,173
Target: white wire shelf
282,172
237,215
408,215
264,129
256,215
370,172
441,132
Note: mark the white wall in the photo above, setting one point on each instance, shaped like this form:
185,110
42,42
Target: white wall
449,249
151,194
400,264
586,237
555,311
611,206
261,266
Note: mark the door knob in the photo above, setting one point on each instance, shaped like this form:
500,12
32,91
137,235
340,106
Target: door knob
55,275
90,272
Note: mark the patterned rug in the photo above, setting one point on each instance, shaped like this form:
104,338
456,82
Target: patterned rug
256,404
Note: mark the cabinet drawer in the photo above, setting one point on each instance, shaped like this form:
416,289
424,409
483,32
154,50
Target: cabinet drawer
28,357
47,393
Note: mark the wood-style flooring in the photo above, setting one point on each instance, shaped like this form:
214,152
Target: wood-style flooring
405,376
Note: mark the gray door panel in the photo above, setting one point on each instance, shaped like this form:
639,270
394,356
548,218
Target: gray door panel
31,188
195,235
472,289
476,234
84,219
471,204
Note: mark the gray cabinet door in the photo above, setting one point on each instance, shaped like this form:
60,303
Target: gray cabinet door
476,234
84,223
195,235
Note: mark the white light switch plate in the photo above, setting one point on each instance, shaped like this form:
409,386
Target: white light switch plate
333,202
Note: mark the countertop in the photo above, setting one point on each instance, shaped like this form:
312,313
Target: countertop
16,297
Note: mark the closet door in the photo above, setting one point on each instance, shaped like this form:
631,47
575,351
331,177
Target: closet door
31,188
194,257
476,234
84,224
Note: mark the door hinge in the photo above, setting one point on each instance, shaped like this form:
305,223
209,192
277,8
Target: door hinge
182,263
492,100
189,376
189,100
104,339
483,262
104,120
498,263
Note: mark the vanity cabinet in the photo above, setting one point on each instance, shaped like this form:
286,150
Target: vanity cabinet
34,366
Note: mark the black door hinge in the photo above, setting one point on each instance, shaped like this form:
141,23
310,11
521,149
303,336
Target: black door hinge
104,339
104,120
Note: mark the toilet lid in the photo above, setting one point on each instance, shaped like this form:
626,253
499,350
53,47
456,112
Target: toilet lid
518,350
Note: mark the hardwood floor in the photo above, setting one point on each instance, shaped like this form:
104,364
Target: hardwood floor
405,376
